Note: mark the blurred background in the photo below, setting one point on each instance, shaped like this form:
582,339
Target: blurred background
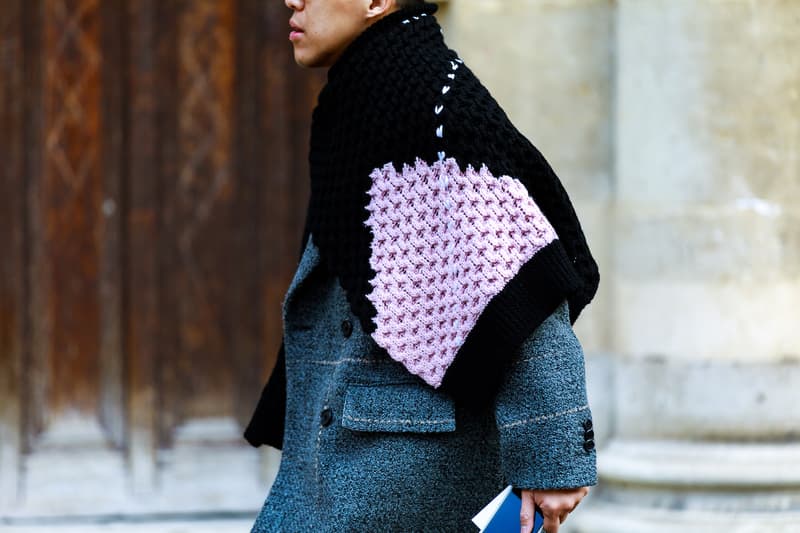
153,183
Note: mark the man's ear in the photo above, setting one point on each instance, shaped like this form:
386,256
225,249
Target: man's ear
379,8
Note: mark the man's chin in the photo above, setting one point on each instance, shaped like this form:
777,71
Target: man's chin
305,61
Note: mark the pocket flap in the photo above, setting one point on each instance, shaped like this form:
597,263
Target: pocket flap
398,407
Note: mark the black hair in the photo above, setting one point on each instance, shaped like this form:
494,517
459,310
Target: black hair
408,3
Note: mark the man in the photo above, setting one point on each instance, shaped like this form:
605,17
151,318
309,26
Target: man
321,32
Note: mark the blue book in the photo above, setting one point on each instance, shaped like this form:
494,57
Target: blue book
502,514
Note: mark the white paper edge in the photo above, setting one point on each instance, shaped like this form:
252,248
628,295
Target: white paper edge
485,515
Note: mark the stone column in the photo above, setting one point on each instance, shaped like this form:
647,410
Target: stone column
549,65
706,278
675,126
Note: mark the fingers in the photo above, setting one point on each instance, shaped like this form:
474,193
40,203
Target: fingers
556,505
552,521
526,512
551,510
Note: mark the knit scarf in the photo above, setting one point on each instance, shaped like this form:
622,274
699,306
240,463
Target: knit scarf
450,233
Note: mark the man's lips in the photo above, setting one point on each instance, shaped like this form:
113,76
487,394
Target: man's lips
296,31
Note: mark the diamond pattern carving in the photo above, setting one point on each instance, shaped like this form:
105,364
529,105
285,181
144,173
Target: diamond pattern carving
72,74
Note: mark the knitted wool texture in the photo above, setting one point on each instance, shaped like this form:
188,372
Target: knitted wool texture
444,243
449,231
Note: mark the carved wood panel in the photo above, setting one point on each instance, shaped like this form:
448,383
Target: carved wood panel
152,194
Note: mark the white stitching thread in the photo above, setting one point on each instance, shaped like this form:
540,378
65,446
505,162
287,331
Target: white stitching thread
319,432
400,420
348,360
546,417
438,108
415,17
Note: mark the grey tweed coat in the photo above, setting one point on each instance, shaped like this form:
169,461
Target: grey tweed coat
369,446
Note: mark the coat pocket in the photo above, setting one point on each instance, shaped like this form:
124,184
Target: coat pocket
398,407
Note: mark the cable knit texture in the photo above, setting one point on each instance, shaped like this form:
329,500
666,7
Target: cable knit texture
444,243
396,95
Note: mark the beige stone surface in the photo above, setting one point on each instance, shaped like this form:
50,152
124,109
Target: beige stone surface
706,233
708,101
753,321
744,242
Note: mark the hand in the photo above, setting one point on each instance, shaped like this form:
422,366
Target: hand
554,504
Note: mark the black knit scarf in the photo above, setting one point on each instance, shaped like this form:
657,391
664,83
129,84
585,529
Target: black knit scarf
398,96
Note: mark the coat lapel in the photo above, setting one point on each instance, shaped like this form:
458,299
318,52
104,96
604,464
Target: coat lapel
308,262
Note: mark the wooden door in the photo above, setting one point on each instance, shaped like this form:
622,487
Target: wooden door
153,182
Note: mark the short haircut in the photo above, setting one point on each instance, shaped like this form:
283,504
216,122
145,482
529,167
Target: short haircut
408,3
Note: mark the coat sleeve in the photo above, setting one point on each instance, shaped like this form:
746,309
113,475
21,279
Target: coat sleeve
542,411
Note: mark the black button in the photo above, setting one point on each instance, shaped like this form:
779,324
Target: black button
325,417
587,424
589,434
588,445
347,328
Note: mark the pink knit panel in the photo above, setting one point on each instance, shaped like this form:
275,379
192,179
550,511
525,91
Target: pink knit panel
444,243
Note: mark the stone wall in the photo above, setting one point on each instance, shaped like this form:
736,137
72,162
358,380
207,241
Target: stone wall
675,126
